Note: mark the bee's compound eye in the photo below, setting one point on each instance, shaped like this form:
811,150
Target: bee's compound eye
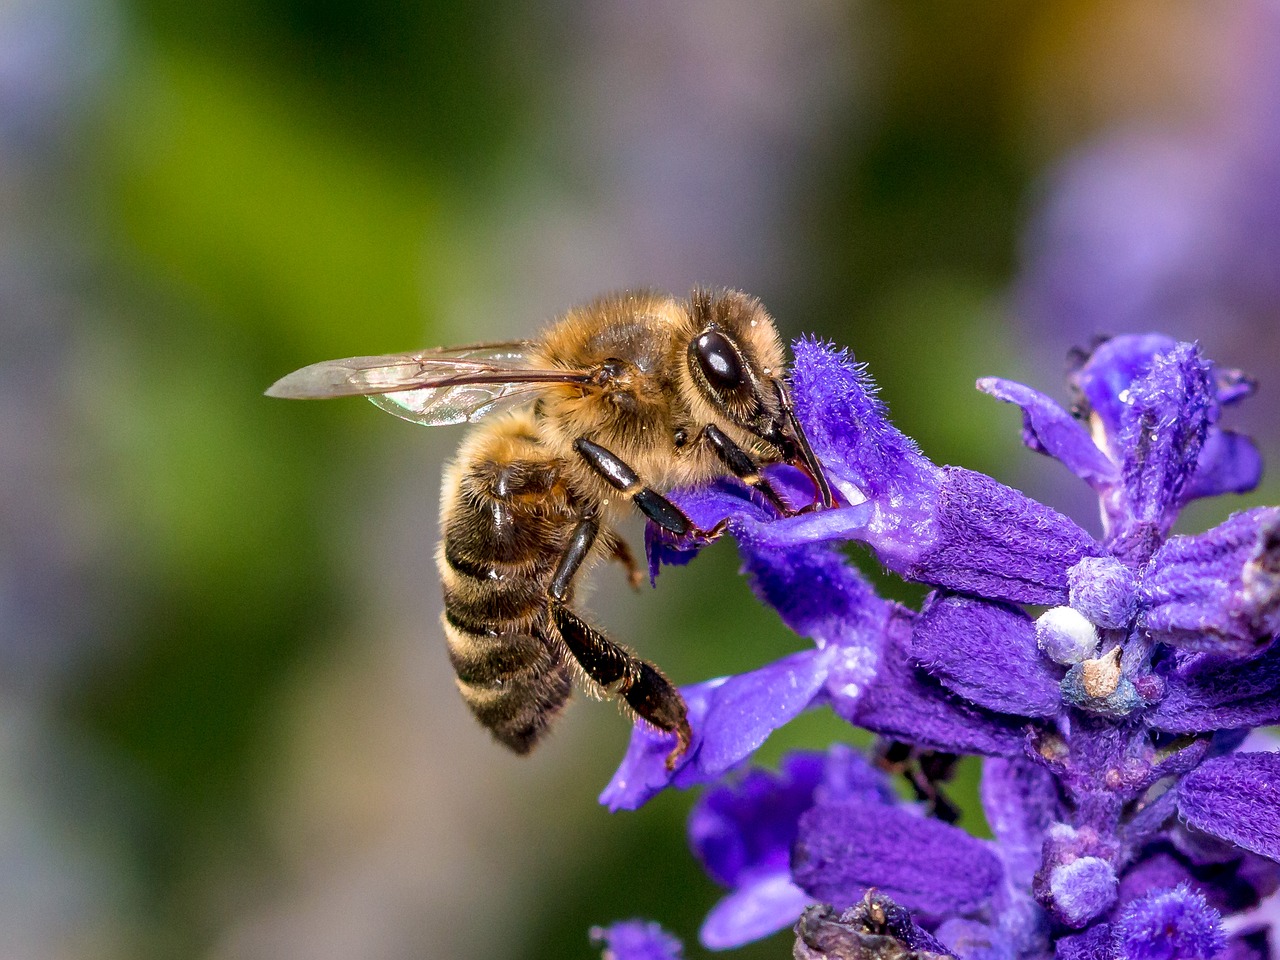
720,362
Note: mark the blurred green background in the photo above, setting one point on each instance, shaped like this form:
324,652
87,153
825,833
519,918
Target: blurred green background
229,726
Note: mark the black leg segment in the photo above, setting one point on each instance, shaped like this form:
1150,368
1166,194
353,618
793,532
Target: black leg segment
580,543
609,465
640,684
743,466
622,478
662,512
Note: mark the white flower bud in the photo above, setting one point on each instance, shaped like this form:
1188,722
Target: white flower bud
1065,636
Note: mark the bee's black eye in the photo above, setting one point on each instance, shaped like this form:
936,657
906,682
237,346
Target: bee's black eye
720,362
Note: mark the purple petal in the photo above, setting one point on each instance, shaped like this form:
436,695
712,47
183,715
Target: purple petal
1229,463
750,825
1020,800
992,541
743,834
763,905
847,425
745,709
1218,591
819,594
925,865
730,718
987,653
905,703
1163,427
1175,924
636,940
974,941
1203,694
1237,798
848,775
1048,429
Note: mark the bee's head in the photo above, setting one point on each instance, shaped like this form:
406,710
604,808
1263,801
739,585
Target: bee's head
735,358
737,366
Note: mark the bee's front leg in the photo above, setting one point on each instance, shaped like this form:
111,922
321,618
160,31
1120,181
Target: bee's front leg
651,503
743,466
618,671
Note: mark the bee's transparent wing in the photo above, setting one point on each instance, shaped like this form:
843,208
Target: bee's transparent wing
459,403
432,387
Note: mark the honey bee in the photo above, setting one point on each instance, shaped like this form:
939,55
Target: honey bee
617,401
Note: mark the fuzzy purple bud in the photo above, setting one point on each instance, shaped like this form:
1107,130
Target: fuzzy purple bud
1175,924
1104,590
1082,890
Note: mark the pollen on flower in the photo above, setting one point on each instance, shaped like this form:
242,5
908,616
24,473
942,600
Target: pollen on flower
1101,676
1099,686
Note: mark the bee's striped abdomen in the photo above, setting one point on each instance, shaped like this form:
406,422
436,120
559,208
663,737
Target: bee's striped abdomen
505,523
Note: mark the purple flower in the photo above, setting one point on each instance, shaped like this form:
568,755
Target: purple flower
744,833
1126,820
636,940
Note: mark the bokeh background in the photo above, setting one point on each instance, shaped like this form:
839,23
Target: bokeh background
227,722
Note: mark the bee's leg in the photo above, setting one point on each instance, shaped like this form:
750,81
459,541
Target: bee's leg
743,466
646,691
651,503
622,553
612,666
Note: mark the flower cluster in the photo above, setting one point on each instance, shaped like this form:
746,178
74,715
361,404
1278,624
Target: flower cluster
1132,817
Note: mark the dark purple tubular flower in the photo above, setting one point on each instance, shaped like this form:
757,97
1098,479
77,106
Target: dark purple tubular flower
1129,816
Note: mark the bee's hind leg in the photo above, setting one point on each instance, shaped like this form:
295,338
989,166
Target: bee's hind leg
640,684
